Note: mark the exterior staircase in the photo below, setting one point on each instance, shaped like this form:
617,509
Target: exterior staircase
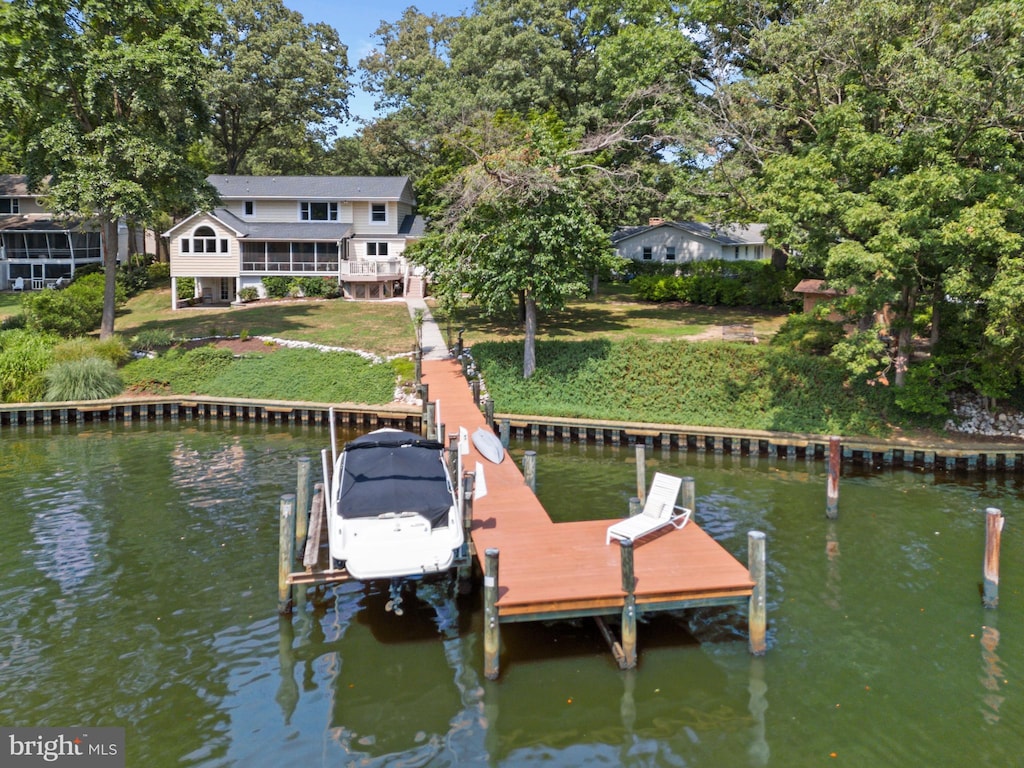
417,287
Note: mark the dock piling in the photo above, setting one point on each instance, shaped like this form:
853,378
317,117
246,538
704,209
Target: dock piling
628,606
835,462
286,553
505,432
641,472
758,610
302,489
489,412
688,494
492,632
993,539
530,469
429,423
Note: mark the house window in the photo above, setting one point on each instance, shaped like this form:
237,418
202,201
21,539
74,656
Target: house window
8,205
309,211
670,253
204,240
648,253
378,213
376,249
250,206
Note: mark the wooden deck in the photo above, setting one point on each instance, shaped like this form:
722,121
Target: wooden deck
556,570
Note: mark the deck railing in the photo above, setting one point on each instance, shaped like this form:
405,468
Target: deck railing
373,267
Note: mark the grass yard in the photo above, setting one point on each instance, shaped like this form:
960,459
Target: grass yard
10,303
383,328
616,315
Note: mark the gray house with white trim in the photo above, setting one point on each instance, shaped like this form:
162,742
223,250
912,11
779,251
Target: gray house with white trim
677,242
352,229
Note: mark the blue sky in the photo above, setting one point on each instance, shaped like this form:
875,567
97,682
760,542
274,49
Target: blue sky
356,22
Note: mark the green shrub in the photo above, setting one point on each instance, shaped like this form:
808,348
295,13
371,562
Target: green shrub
808,334
186,288
24,355
277,287
249,293
159,273
90,379
133,275
708,384
113,349
75,311
12,322
315,287
714,282
145,341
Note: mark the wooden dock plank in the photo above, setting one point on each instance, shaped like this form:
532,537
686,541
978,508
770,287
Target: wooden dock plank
549,567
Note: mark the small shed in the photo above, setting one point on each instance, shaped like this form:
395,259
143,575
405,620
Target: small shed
816,291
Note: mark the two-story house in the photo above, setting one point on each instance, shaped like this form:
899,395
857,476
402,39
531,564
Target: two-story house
353,229
36,248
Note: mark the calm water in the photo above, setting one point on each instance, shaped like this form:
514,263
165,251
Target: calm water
138,580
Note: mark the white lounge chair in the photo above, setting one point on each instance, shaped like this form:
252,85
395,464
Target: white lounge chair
19,284
660,509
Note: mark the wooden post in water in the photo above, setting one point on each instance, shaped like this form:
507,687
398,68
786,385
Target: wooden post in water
993,538
468,485
688,494
489,412
505,431
474,387
835,463
641,472
634,506
530,469
430,420
302,488
453,455
758,611
286,553
628,606
492,631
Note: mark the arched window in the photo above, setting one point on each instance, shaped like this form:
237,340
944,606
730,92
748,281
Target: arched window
204,240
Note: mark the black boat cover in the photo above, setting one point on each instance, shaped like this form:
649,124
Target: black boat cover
394,471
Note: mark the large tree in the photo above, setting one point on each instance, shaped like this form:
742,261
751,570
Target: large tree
621,69
278,82
885,143
518,228
113,98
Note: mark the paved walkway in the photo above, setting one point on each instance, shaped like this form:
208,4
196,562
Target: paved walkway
434,346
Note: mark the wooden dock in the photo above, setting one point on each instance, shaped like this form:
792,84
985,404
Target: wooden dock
562,570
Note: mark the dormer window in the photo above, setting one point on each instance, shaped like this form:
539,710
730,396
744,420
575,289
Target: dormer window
378,213
8,205
310,211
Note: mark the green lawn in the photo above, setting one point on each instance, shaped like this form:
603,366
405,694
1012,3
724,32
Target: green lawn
383,328
10,303
616,315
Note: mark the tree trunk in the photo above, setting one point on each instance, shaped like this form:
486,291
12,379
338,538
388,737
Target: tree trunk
903,339
530,339
108,227
933,337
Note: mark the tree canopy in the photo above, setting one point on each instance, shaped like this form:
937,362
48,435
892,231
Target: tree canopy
277,89
516,227
110,97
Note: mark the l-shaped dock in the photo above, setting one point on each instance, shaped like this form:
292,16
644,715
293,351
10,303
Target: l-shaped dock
554,570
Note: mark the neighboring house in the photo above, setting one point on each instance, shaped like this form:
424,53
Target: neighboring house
36,246
351,229
685,241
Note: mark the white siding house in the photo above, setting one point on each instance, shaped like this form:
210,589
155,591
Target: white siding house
351,229
685,241
36,248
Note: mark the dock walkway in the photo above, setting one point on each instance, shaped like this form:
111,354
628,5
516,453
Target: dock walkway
561,570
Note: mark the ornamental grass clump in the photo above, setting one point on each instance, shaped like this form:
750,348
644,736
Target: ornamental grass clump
91,378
